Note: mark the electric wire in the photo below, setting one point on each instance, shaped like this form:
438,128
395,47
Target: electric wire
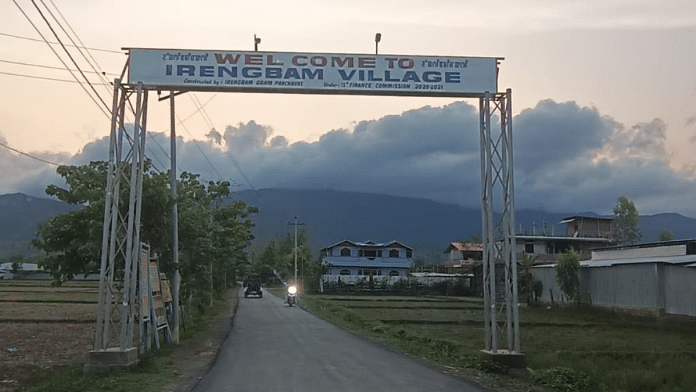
195,142
46,66
39,77
106,113
55,43
69,55
226,149
28,155
94,65
100,73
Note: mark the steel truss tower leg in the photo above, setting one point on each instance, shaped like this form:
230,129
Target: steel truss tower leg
498,230
121,233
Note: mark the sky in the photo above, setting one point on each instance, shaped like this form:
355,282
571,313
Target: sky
604,98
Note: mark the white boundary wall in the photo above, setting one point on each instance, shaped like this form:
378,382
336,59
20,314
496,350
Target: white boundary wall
650,287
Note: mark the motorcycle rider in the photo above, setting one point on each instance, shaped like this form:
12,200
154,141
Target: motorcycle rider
287,291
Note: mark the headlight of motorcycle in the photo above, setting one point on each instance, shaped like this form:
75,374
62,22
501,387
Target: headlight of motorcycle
292,289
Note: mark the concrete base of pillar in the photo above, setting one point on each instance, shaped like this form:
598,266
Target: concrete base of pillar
111,360
512,363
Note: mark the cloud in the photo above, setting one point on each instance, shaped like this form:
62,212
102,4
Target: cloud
568,158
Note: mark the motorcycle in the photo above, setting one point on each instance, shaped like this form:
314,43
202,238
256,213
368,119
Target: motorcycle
292,294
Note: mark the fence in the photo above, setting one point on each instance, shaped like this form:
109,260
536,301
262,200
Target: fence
656,288
413,285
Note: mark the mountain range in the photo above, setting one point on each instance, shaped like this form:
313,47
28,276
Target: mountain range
329,216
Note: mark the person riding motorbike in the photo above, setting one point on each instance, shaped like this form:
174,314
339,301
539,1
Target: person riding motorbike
290,293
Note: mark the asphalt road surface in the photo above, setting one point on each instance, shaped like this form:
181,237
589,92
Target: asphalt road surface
273,347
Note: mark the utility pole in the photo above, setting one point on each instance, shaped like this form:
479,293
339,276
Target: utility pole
175,234
295,224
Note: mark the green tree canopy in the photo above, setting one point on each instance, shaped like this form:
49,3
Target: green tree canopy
526,280
567,274
626,222
665,235
213,232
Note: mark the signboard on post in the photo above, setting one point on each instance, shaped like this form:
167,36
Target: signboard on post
312,73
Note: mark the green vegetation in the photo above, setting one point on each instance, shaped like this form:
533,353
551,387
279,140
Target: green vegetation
665,235
156,370
530,287
571,349
626,230
278,254
567,270
213,236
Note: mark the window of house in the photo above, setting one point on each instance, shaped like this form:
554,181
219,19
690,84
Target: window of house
345,272
393,273
379,253
529,248
409,254
367,272
370,253
394,253
345,252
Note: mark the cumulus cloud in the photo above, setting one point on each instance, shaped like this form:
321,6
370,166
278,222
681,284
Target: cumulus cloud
568,158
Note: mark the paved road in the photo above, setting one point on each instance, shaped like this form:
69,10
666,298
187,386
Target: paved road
273,347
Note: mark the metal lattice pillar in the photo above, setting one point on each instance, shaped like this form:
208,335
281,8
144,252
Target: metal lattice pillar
499,290
121,232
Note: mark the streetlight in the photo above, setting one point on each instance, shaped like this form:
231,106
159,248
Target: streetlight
257,41
378,37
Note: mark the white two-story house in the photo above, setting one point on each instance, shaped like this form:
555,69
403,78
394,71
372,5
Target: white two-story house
366,259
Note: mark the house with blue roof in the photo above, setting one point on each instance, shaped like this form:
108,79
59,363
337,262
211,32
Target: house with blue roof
351,260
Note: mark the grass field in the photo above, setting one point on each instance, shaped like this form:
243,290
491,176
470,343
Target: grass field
569,349
49,332
44,327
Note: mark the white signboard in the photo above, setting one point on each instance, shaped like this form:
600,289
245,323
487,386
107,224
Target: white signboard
313,73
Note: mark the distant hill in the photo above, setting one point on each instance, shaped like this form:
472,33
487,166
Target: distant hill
427,226
331,216
19,216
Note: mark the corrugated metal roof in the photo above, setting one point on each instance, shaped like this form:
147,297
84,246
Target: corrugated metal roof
562,238
676,260
468,246
370,244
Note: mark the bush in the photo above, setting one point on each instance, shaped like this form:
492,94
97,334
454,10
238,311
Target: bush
567,277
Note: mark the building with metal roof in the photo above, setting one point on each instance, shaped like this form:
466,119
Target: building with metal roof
367,259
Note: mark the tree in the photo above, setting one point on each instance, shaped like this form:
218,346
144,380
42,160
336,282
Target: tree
567,274
212,236
665,235
528,283
626,222
418,264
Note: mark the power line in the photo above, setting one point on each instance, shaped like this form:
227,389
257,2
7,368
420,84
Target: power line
94,65
55,43
47,66
61,60
39,77
68,53
201,150
209,122
28,155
